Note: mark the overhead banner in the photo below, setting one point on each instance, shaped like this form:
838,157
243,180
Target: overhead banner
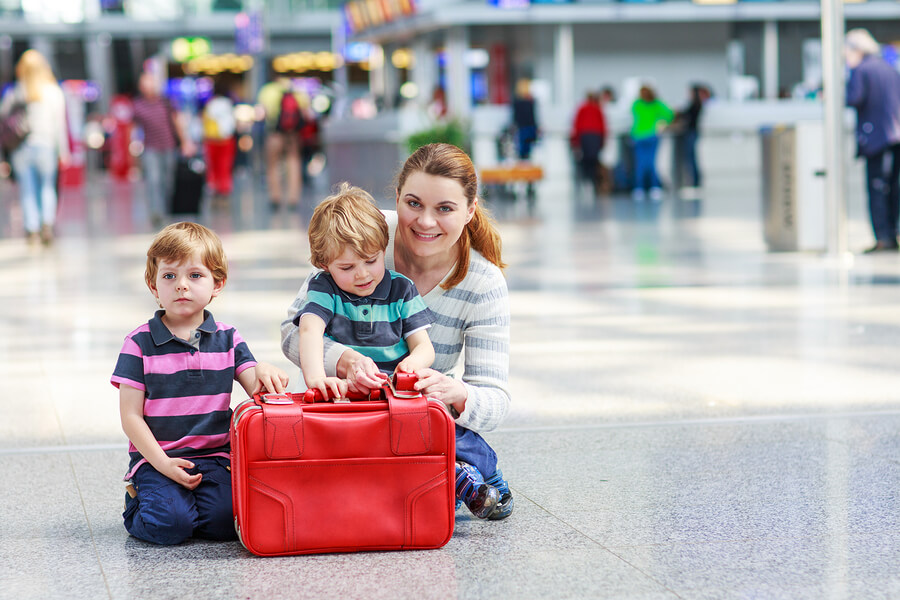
365,14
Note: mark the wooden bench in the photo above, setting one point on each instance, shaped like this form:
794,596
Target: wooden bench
515,173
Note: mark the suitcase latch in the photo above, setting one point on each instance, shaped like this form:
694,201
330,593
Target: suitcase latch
276,399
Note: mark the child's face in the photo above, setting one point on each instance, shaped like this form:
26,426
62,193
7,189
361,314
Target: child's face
185,289
357,274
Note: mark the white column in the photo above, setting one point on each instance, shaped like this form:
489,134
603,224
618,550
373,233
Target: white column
423,70
564,67
770,60
833,92
376,71
459,93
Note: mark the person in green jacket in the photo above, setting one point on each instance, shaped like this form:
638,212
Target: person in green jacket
650,115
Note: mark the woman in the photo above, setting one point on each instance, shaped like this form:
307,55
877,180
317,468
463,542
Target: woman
444,241
588,137
686,141
35,161
649,116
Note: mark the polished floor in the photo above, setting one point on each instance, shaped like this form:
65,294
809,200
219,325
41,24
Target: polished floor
693,416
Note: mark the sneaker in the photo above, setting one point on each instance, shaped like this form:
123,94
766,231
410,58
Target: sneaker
478,496
656,194
504,508
638,195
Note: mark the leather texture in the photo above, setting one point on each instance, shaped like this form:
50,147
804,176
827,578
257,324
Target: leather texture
314,477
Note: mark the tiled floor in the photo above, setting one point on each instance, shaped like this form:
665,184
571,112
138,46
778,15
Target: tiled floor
693,417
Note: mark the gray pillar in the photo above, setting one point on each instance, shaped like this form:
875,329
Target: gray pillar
459,92
833,92
98,58
564,67
770,60
391,79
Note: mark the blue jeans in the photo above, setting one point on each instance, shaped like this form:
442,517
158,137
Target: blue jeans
165,512
645,163
883,184
35,169
471,448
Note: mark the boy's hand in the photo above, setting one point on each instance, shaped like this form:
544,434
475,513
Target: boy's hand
364,376
331,387
270,378
174,469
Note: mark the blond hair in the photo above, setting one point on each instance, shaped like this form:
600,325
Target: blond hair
178,242
34,72
480,233
349,217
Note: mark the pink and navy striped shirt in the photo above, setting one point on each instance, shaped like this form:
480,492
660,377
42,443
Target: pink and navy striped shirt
187,385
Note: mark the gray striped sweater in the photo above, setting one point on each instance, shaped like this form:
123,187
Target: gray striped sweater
470,336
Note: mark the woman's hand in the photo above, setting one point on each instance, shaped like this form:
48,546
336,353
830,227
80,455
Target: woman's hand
438,386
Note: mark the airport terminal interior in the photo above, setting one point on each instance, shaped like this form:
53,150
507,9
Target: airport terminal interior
693,415
697,412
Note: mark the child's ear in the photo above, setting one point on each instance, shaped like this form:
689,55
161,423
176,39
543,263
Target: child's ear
217,287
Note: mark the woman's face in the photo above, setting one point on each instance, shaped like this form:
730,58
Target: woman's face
431,214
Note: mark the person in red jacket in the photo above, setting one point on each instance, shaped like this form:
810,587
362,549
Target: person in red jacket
588,137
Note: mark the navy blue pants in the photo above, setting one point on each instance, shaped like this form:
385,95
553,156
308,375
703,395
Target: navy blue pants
883,185
471,448
165,512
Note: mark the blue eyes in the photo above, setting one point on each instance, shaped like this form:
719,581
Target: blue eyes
417,204
172,275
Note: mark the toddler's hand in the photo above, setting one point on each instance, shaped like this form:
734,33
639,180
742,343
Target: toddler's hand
331,387
364,375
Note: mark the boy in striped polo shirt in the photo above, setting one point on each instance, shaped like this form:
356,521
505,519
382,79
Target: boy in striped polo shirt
175,376
359,303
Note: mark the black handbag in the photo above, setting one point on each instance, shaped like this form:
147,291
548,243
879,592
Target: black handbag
14,126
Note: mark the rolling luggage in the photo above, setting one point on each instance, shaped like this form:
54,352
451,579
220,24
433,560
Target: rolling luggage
313,477
190,178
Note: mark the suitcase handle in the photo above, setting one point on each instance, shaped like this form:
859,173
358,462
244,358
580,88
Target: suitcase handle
402,385
410,427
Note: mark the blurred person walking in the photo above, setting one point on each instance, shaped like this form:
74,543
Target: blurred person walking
219,142
285,118
164,134
686,126
524,119
40,102
588,138
873,89
650,115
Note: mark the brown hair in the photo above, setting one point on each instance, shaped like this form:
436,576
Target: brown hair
480,233
178,242
647,94
349,217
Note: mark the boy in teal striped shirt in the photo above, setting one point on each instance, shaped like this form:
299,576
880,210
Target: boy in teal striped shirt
355,300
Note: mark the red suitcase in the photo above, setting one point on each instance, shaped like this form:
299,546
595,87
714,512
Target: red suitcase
311,477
